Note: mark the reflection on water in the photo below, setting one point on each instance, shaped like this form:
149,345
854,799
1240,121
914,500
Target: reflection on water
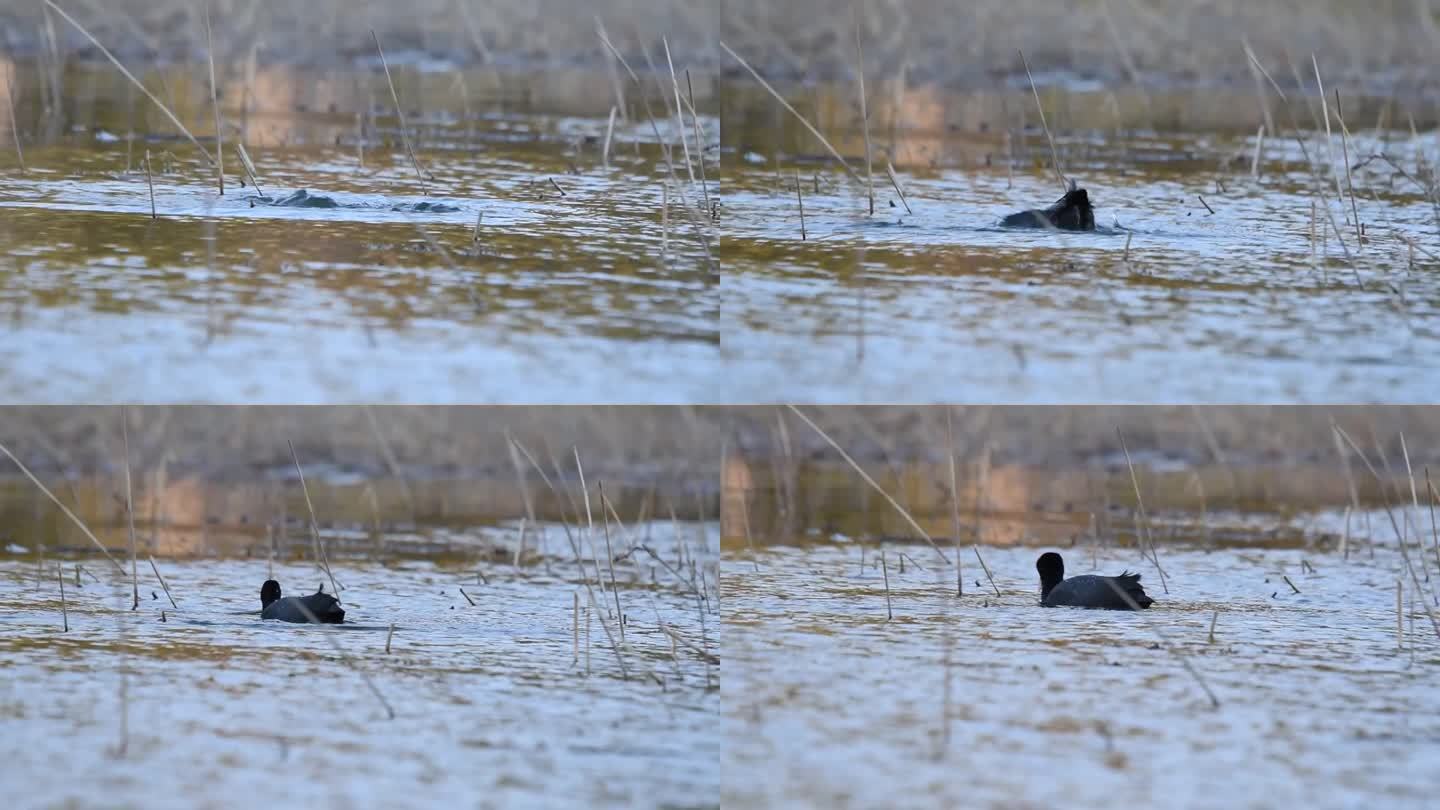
1247,294
993,701
526,250
514,699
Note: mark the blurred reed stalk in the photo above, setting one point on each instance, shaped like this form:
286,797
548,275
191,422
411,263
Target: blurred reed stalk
400,112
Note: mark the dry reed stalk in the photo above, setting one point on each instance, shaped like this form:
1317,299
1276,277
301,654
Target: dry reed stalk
801,202
679,112
467,597
149,181
156,569
14,125
699,142
664,222
1394,524
360,140
1054,155
215,104
890,170
1399,626
1349,181
64,611
63,508
1201,197
575,629
871,481
1415,502
885,570
1325,111
131,77
981,486
610,559
249,167
389,635
1215,617
129,510
774,93
864,112
321,561
1434,533
1291,584
1144,518
1255,158
400,112
575,548
609,132
1126,257
954,516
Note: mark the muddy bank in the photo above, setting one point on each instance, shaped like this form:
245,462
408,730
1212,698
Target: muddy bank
224,443
330,32
1155,42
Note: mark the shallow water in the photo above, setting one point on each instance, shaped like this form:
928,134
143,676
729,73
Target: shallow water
493,707
828,704
1172,299
229,298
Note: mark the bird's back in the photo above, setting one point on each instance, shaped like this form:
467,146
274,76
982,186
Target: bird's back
1093,591
325,608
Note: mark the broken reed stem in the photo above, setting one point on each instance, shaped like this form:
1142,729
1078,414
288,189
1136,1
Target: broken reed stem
116,62
1201,198
389,636
986,569
801,202
1054,155
150,181
871,481
215,104
774,93
1213,618
467,597
954,509
400,112
320,558
890,170
1144,518
156,569
63,508
610,558
885,570
129,509
864,112
64,611
1291,584
575,629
